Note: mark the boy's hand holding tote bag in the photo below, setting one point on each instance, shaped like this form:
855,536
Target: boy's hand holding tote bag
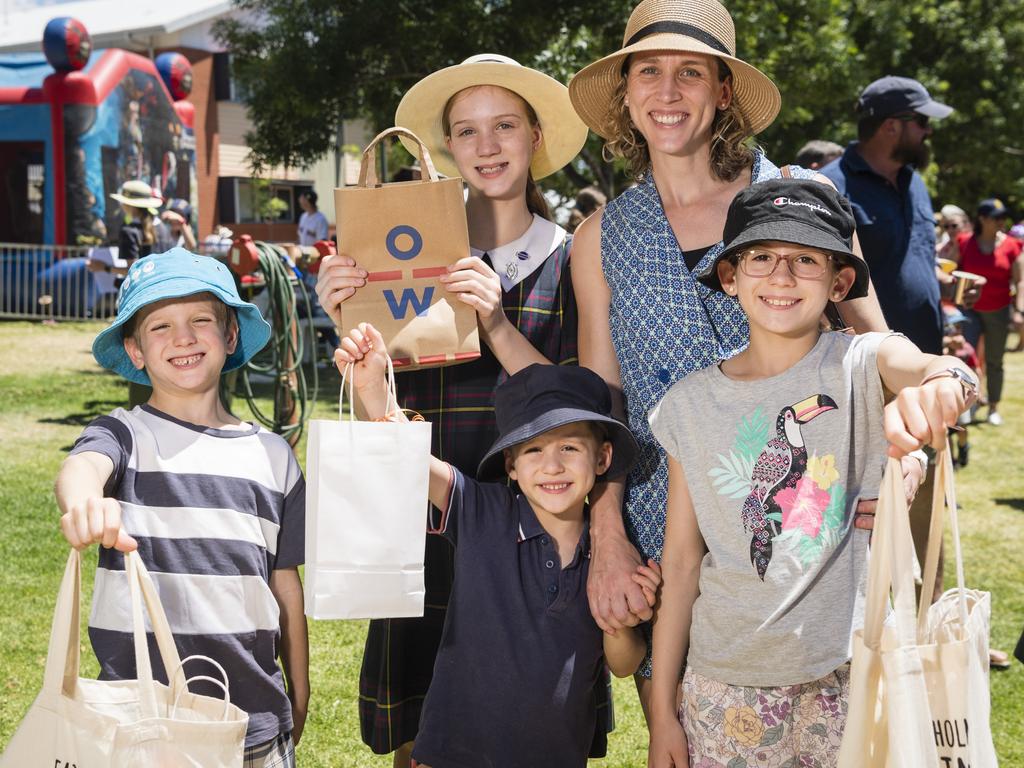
405,235
110,724
367,484
919,695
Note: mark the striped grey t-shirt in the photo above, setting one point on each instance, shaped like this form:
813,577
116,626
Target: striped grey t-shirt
214,512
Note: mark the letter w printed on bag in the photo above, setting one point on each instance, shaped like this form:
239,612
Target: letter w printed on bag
400,307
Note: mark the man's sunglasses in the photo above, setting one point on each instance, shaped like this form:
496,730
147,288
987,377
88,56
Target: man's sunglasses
921,120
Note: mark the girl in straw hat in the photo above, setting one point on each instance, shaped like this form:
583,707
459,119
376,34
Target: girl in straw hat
500,126
678,105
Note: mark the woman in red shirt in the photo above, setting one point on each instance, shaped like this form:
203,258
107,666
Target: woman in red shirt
989,252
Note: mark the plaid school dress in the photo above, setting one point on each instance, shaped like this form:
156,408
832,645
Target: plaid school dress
458,401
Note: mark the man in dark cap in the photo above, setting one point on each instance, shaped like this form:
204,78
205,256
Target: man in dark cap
895,223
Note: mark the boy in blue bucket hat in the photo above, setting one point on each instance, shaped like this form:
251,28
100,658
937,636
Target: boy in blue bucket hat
215,506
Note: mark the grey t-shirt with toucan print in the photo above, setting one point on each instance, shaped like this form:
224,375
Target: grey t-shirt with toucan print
775,468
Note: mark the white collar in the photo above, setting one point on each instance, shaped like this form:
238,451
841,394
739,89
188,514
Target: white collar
516,261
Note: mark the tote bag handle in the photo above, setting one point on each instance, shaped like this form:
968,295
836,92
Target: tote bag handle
368,168
943,495
890,568
63,658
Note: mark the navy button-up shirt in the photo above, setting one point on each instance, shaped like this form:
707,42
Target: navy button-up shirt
520,656
896,229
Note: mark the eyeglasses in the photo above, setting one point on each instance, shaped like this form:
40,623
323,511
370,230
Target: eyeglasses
921,120
758,262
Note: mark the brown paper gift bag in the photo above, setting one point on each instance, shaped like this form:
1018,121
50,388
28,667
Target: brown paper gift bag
405,235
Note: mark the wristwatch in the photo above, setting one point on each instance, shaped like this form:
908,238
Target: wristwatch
966,380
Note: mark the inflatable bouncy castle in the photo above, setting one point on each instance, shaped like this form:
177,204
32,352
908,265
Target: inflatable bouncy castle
76,123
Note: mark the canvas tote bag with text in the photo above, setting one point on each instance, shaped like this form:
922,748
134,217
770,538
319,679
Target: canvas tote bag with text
919,694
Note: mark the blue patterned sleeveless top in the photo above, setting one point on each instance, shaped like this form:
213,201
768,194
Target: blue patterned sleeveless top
664,325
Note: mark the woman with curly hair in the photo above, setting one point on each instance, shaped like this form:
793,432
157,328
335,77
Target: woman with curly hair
678,105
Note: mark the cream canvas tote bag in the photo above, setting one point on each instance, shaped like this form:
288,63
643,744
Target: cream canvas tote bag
919,694
115,724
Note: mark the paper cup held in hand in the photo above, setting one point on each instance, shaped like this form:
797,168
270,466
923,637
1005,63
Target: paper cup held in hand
964,281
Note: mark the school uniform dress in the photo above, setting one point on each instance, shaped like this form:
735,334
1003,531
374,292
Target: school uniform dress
458,401
520,658
664,325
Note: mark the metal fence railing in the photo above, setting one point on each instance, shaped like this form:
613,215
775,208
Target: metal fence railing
54,282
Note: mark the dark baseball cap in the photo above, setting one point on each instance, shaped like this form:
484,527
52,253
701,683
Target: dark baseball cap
892,95
993,208
798,211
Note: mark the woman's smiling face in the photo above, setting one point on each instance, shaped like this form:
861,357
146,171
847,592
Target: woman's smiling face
673,98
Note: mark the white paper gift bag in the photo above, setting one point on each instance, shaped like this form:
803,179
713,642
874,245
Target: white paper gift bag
116,724
366,515
919,694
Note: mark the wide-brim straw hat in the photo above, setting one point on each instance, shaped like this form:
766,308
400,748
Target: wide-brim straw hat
694,26
422,108
137,194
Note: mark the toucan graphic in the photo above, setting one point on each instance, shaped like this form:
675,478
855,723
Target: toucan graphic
780,466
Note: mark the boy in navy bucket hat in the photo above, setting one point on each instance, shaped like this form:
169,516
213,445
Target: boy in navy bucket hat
214,506
520,655
769,453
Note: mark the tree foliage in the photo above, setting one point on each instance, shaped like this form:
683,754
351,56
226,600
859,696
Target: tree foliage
305,65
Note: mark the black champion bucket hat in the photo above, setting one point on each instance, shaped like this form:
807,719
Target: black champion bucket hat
797,211
540,398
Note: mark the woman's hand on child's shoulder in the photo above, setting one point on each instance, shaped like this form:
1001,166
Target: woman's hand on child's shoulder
363,347
921,415
96,520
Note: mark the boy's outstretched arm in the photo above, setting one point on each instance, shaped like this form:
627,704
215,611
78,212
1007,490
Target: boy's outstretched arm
928,397
364,347
87,517
287,589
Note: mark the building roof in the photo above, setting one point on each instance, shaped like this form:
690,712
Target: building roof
111,23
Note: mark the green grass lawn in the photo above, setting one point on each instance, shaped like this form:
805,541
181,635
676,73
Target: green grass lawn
51,388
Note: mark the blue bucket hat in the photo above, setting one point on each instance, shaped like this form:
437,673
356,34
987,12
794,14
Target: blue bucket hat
172,275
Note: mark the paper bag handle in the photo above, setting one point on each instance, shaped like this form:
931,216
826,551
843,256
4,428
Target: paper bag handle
943,495
368,167
222,682
391,404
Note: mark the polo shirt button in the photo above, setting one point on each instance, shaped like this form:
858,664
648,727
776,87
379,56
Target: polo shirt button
544,540
664,376
549,564
553,588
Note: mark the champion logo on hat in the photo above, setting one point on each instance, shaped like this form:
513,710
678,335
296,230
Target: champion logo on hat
781,201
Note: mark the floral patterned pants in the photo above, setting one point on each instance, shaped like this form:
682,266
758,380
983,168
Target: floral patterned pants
732,726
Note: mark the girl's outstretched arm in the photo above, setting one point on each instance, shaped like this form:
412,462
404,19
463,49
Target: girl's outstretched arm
680,563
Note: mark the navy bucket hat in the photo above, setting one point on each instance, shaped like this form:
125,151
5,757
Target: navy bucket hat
172,275
540,398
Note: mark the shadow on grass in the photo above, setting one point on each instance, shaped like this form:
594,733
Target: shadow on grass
1017,504
93,409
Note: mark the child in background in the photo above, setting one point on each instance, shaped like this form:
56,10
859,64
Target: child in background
520,656
215,506
769,451
954,343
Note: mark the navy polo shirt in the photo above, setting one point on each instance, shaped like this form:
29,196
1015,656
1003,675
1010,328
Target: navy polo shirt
520,655
896,229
